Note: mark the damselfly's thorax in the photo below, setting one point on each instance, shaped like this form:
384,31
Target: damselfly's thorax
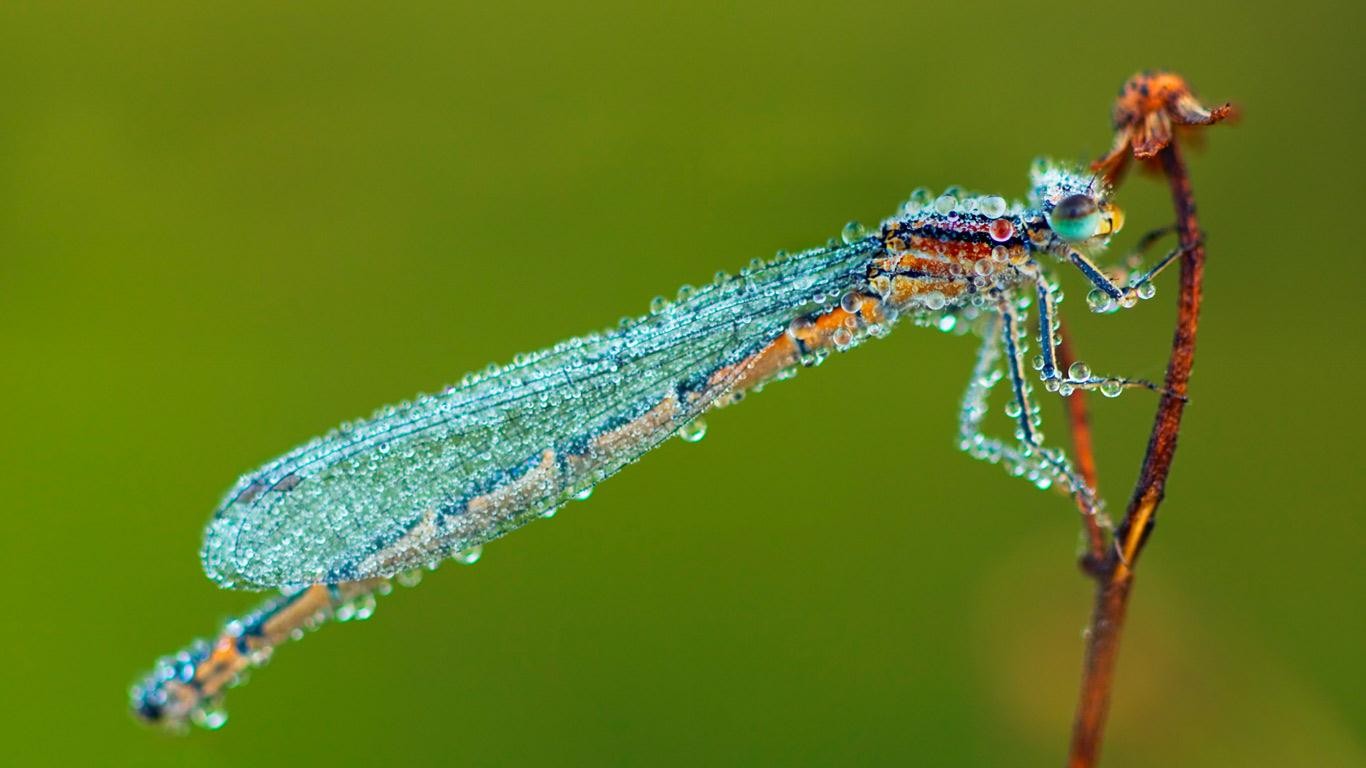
944,249
948,247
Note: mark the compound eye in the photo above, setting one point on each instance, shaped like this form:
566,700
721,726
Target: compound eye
1075,217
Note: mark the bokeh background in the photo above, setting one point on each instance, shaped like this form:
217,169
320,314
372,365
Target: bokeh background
226,227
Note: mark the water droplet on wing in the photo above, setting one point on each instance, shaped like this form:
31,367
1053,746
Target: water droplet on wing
693,431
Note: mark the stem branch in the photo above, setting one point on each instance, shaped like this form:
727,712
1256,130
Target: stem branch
1115,574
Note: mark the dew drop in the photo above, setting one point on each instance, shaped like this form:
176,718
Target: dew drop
799,327
852,233
365,606
1099,301
920,198
1111,388
693,431
409,578
584,494
1147,291
851,302
469,556
992,206
1079,371
947,323
945,203
345,612
211,716
658,304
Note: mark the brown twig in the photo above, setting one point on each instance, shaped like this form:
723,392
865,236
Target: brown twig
1149,100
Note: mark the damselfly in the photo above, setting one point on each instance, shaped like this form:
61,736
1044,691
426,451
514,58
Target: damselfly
330,522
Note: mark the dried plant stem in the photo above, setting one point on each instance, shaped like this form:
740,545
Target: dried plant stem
1115,572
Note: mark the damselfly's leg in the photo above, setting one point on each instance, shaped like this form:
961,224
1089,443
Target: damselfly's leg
1078,376
985,374
1095,277
1107,295
1136,284
1027,457
1145,243
1046,461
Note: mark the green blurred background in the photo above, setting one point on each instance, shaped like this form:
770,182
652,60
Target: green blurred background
226,227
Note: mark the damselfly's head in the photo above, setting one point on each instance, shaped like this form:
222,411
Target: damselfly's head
1073,206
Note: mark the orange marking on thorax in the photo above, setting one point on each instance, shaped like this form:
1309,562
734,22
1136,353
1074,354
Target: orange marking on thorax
953,249
935,266
904,289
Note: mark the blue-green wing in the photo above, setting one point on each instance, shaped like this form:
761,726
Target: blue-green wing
423,480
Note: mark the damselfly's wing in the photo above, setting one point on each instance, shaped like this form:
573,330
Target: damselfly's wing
423,480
